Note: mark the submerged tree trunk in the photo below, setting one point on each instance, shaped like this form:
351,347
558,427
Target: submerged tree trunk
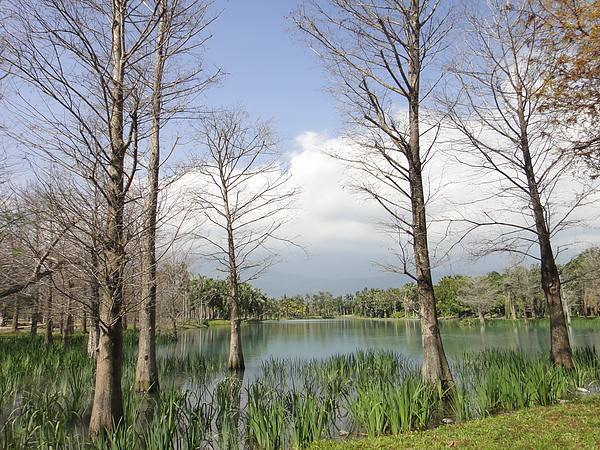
146,373
236,355
107,409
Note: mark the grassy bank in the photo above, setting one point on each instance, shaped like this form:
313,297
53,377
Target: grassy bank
570,425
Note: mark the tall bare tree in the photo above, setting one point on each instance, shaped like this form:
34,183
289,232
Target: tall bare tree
243,195
377,52
178,36
82,60
499,112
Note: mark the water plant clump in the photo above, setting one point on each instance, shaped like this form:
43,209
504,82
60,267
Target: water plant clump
289,403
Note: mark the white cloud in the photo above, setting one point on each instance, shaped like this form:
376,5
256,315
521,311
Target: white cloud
330,215
340,230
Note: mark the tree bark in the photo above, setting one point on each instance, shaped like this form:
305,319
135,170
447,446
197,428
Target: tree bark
94,335
435,365
236,355
560,347
49,324
67,326
107,409
16,313
35,314
513,306
146,374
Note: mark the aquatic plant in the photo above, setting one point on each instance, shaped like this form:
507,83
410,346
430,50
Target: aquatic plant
45,394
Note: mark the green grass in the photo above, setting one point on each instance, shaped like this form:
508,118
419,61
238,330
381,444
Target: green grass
570,425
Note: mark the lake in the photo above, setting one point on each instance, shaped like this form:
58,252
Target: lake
306,339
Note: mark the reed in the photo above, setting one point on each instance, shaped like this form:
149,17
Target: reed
45,396
309,416
265,416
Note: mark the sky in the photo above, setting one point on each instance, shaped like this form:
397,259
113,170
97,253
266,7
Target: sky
273,76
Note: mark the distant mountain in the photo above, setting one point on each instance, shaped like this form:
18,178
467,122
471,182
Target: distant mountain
276,284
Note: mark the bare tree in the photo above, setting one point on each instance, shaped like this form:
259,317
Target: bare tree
82,60
243,196
173,292
481,294
581,280
498,111
523,286
377,52
180,24
27,247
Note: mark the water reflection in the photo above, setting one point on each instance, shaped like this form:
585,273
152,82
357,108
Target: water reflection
306,339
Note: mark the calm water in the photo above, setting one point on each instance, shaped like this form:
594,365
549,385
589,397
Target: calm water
306,339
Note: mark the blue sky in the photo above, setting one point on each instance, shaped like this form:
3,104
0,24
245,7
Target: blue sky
270,74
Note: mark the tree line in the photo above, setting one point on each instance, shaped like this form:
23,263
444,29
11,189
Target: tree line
184,299
98,94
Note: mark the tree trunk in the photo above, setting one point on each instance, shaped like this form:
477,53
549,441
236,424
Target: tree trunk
67,328
236,355
94,336
435,365
560,347
513,306
84,329
146,373
16,312
35,315
49,324
107,409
